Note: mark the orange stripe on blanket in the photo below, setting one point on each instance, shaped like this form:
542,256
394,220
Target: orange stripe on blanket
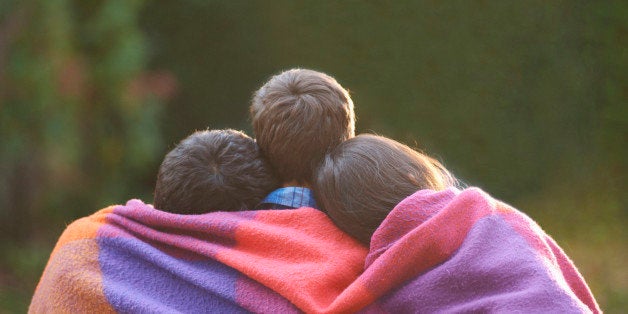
84,228
72,282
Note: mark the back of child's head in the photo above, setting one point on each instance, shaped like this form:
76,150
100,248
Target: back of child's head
217,170
365,177
297,116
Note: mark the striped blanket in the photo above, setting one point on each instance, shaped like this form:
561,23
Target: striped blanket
448,251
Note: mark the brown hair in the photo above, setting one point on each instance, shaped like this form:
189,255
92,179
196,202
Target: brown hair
298,116
213,170
365,177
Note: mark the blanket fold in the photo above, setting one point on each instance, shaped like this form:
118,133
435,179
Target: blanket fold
448,251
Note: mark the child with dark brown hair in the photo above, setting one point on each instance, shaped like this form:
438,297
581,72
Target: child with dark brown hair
217,170
365,177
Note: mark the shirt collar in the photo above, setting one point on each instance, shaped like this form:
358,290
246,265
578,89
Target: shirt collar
291,196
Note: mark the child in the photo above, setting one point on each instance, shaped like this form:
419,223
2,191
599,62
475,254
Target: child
298,116
217,170
436,248
363,179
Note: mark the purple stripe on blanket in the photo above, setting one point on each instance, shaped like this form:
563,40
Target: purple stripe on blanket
501,275
162,283
260,299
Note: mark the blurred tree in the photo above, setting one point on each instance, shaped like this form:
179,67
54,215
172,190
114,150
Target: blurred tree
79,114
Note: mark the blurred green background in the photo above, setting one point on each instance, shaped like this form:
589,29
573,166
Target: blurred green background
527,100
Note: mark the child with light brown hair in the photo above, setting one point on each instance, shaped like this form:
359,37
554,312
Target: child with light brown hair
364,178
298,116
437,248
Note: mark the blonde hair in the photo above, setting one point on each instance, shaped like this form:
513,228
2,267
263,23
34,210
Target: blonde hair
364,178
297,116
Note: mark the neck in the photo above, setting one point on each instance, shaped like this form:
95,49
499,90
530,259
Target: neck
297,184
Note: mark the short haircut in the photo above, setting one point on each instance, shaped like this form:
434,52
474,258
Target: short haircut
365,177
217,170
297,116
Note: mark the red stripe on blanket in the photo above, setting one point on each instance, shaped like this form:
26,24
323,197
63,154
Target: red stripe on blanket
280,247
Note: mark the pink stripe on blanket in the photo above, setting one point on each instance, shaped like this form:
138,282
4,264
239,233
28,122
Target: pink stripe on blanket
495,270
433,240
423,239
185,236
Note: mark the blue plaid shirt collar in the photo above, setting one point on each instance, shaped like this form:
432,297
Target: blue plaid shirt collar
292,196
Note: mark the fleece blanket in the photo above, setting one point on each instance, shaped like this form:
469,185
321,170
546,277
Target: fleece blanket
447,251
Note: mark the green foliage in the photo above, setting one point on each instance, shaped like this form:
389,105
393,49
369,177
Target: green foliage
79,129
78,134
